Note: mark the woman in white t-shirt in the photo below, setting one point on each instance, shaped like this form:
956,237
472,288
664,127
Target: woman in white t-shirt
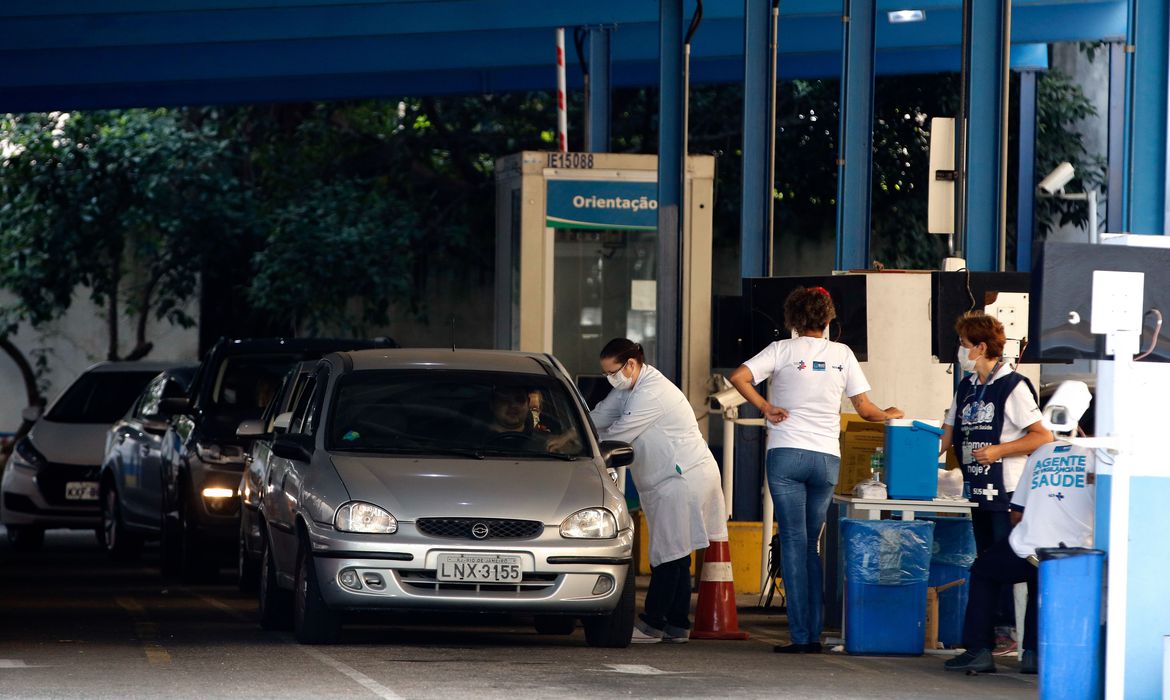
809,374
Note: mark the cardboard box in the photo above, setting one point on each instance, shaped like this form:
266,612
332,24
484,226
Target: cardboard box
859,438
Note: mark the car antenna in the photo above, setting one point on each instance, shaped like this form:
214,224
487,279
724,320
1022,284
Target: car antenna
452,332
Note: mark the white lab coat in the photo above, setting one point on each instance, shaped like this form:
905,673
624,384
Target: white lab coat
676,475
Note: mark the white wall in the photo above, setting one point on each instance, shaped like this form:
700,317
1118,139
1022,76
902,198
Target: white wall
76,341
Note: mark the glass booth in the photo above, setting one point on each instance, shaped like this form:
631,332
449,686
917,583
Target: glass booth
576,253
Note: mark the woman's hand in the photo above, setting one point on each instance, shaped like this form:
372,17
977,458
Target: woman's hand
774,414
893,413
988,455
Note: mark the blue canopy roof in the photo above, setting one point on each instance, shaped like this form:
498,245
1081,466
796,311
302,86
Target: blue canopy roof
77,54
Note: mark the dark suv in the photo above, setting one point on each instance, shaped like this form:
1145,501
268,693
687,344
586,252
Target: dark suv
202,457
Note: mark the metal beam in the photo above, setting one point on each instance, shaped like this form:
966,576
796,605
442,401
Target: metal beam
1115,187
754,246
855,143
1026,181
598,95
982,180
1144,176
671,174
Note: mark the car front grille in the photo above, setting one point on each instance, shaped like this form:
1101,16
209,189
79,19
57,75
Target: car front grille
480,528
425,580
52,477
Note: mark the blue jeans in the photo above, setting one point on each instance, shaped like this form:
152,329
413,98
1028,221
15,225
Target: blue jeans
802,484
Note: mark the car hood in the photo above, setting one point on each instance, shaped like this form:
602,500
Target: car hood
70,443
422,487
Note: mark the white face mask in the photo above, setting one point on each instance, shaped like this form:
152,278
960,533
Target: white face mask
618,380
965,362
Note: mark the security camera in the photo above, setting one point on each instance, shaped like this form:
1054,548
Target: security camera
1068,403
726,399
1056,180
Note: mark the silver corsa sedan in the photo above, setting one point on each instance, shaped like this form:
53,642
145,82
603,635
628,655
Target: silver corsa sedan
445,481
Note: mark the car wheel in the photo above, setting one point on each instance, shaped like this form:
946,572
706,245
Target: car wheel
273,602
26,538
247,568
119,544
554,624
615,629
313,622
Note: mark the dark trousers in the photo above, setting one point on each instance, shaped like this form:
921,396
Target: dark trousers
668,601
995,571
992,527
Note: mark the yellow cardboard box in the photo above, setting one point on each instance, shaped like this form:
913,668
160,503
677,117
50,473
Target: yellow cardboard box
859,438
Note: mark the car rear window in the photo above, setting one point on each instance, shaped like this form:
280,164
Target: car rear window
437,411
99,397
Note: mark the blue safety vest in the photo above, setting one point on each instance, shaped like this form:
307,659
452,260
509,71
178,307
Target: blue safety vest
978,423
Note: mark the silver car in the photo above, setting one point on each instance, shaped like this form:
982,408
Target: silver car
445,480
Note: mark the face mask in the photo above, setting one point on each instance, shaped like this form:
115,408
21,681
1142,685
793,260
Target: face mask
965,362
618,380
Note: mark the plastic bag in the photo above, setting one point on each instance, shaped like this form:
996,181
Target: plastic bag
950,484
870,488
887,552
954,542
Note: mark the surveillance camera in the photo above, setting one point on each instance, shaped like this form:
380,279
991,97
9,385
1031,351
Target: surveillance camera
1068,403
725,399
1056,180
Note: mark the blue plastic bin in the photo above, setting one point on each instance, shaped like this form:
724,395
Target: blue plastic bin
1071,659
887,566
912,459
952,555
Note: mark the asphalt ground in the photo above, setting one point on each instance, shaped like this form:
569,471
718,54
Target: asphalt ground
74,625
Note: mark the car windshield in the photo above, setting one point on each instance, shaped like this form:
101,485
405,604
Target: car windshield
99,397
454,412
245,384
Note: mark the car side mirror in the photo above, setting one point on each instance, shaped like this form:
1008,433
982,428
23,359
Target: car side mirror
617,454
251,429
31,414
174,406
295,447
282,422
155,424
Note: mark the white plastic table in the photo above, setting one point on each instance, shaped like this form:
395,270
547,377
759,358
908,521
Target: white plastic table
871,508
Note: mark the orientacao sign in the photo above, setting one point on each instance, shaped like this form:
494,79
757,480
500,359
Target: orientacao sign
593,204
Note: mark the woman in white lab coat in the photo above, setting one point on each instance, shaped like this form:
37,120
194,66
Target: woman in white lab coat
677,479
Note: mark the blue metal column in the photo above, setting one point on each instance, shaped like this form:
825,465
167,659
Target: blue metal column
671,103
757,200
1144,175
985,59
1115,188
1026,187
855,143
598,98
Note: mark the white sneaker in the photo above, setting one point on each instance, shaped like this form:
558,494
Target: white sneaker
675,635
645,634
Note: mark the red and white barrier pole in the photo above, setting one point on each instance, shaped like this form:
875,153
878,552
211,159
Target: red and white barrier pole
562,115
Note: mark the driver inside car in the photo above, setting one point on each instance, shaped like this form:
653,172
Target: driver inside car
512,413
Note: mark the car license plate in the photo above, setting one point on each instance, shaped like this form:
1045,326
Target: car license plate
81,490
479,568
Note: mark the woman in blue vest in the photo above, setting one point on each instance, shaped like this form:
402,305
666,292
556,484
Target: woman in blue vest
994,424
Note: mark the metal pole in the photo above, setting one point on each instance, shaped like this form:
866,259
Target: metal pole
855,141
671,172
562,114
1091,198
770,211
766,538
1006,79
729,417
1026,176
757,148
957,240
599,96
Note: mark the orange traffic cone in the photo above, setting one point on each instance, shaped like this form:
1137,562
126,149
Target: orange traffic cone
715,616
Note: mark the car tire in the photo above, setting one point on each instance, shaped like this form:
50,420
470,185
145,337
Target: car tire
559,625
273,602
313,621
119,544
614,630
247,568
25,538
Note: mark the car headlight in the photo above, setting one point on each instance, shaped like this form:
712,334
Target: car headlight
25,456
357,516
211,453
591,523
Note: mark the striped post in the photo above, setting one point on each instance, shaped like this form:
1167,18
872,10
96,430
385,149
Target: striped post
562,115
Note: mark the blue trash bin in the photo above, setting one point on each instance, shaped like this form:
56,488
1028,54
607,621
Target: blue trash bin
887,566
1071,659
952,555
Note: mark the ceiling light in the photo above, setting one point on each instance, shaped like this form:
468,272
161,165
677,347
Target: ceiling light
902,16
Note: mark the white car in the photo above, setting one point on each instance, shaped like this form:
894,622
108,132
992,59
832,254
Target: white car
51,479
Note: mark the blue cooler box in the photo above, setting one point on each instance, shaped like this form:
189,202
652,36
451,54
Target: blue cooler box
887,566
912,459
